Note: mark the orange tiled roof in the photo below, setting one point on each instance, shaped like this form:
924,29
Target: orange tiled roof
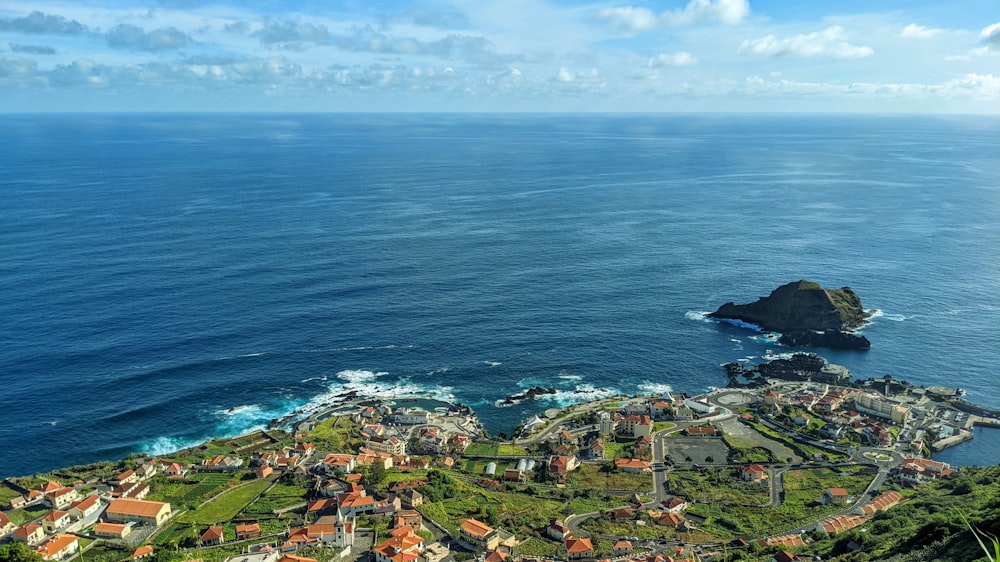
137,508
55,545
476,528
579,545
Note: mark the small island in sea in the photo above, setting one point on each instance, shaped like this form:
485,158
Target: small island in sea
806,314
803,462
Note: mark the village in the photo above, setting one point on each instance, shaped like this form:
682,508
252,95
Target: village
661,478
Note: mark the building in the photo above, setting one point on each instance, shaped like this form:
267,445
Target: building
557,530
85,507
882,408
578,549
6,527
632,466
701,431
55,520
248,531
112,530
635,426
622,547
410,417
561,465
212,536
480,536
58,547
332,530
836,496
754,473
403,545
30,533
61,498
141,512
391,445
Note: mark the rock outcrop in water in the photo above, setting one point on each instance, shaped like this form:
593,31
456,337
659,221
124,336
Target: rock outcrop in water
805,314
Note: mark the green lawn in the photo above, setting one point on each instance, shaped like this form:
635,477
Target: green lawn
481,449
660,426
593,476
511,450
227,506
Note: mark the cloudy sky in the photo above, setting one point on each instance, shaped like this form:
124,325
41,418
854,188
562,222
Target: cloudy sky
912,56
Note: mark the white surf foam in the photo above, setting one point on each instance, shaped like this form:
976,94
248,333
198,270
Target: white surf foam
493,363
647,387
701,316
359,376
742,324
168,445
570,377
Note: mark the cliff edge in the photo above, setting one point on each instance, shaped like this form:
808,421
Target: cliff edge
805,314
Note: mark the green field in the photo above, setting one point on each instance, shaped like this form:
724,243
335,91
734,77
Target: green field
723,486
594,476
226,506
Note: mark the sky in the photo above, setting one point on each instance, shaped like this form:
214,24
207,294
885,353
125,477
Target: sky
859,56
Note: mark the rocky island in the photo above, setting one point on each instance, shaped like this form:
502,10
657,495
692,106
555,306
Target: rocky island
806,314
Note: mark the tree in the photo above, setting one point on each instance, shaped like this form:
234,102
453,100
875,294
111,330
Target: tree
376,474
18,552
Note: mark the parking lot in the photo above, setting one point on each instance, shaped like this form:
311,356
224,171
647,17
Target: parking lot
697,449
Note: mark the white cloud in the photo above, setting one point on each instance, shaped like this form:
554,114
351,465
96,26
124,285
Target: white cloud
990,36
131,37
680,58
914,31
631,18
827,43
565,75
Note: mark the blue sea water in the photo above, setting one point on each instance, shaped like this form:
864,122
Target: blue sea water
167,278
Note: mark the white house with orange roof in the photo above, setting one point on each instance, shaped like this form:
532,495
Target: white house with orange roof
81,509
58,547
635,426
6,527
632,466
403,545
55,520
29,533
62,497
578,549
112,530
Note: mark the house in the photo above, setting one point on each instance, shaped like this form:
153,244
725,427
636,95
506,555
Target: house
263,471
30,533
578,549
410,517
403,545
221,463
754,473
112,530
248,531
632,466
682,412
144,551
836,496
566,438
61,498
412,498
356,503
674,505
918,470
388,506
373,430
212,536
701,431
58,547
674,520
801,419
496,556
514,475
784,556
126,477
322,505
293,558
338,462
557,530
643,443
137,511
619,515
480,536
622,547
595,449
561,465
410,417
55,520
6,527
146,470
332,530
174,470
477,534
659,409
86,507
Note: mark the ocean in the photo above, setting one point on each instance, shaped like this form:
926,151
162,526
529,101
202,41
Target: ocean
169,278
